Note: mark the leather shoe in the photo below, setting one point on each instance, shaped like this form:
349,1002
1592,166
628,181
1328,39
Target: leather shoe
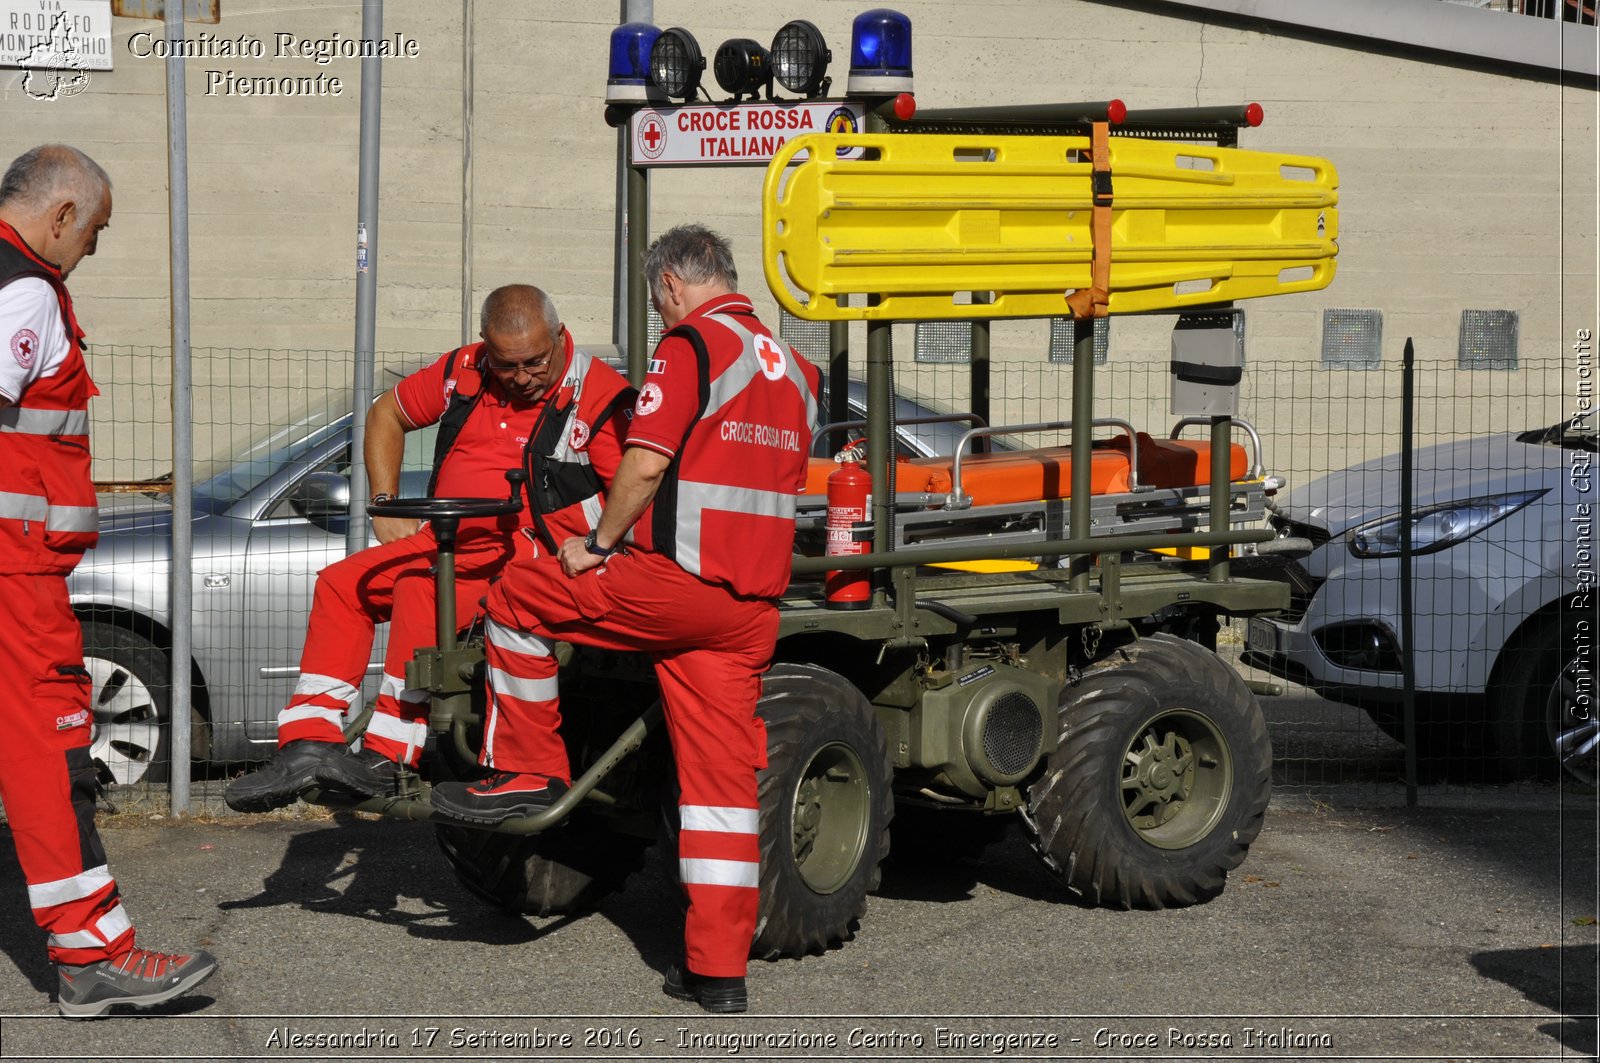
281,780
368,773
503,795
721,995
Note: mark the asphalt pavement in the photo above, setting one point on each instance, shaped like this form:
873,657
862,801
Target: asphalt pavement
1462,933
1357,928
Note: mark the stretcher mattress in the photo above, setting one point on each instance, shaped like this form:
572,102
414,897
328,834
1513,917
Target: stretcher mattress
1033,475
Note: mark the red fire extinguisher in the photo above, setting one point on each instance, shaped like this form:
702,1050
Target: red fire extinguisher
849,499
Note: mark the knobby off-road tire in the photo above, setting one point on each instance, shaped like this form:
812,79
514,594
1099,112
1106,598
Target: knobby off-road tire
570,869
1160,780
826,804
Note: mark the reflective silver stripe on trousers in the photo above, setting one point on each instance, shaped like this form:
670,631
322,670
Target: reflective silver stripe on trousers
383,725
107,929
83,884
312,685
693,498
720,819
44,422
395,687
516,640
702,872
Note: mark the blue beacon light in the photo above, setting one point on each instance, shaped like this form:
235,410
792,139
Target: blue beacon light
629,77
880,53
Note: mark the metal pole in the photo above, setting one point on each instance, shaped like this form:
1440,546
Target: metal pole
623,301
182,574
638,241
1408,620
366,269
880,434
838,372
468,10
1082,445
1221,492
978,371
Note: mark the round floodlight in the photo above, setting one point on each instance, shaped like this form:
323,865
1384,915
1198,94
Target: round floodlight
676,63
880,53
741,66
629,78
800,58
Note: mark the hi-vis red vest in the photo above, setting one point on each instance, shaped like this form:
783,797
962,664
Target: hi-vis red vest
48,513
725,508
564,493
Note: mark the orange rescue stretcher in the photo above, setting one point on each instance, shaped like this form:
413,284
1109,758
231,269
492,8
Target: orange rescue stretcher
1140,482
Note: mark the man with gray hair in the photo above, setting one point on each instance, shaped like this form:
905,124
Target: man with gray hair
686,564
54,201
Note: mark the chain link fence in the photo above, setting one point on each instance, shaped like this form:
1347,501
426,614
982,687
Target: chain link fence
1500,662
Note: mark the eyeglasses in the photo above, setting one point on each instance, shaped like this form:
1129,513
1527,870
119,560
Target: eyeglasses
512,370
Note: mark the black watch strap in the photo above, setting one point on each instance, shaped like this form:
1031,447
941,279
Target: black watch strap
592,544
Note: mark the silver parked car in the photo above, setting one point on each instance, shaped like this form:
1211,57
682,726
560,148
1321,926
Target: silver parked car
268,515
1505,618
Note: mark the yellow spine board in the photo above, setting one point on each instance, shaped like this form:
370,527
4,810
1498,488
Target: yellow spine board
915,219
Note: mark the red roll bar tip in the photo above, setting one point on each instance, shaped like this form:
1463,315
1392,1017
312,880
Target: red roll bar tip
905,106
1254,115
1116,112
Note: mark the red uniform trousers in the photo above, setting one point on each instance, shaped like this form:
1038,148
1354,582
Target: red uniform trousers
710,648
47,780
394,582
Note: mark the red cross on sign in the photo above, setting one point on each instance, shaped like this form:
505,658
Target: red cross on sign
771,356
652,136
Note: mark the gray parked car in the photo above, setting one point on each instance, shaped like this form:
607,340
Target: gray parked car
268,515
1505,619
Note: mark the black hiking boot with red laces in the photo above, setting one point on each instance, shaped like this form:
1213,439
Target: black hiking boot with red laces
502,796
138,978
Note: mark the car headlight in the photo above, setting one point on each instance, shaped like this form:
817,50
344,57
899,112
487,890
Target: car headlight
1437,527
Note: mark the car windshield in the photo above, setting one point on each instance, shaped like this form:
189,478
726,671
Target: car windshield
226,477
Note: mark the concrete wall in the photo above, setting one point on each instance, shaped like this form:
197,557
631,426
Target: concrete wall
1460,188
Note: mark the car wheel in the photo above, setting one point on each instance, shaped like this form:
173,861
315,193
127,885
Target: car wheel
130,698
1159,782
1541,727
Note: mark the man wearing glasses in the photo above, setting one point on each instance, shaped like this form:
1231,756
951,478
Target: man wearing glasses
524,389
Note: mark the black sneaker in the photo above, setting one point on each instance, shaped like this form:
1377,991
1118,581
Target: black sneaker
722,995
502,796
368,773
282,779
138,977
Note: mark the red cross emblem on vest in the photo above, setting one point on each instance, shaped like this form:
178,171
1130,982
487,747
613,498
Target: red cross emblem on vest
771,357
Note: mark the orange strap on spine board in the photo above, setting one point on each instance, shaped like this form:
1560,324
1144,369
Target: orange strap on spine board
1092,301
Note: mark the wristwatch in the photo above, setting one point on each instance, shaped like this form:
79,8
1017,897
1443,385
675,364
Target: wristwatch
591,544
382,496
